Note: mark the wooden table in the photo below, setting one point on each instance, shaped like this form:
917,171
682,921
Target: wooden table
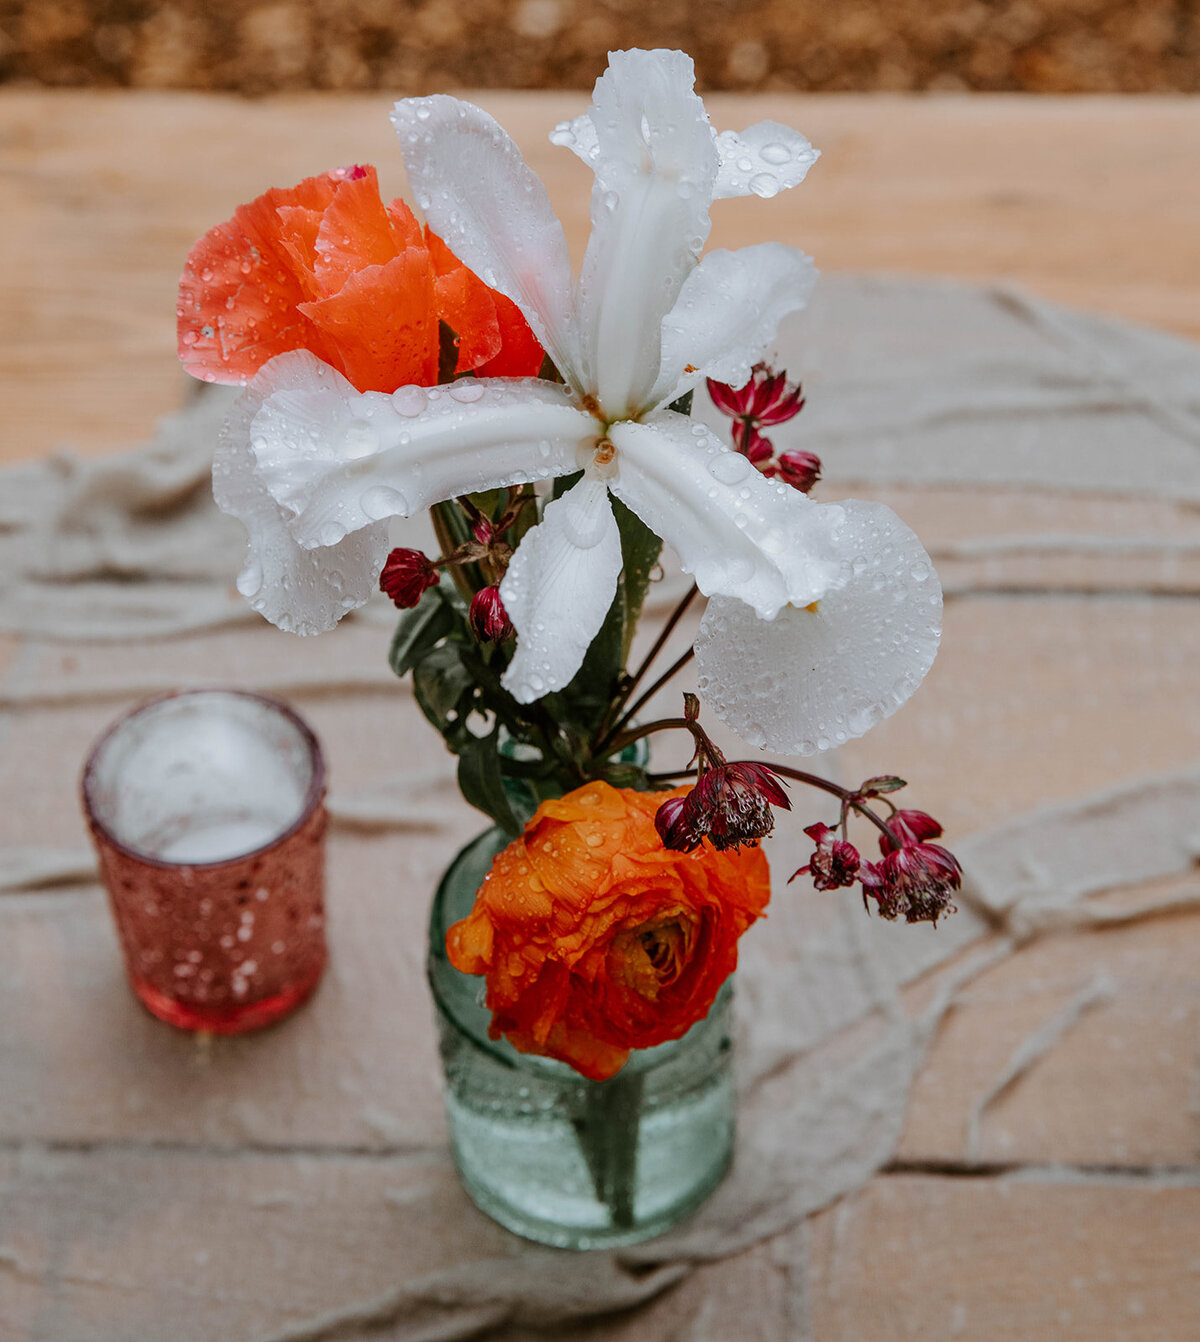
1091,201
1059,1223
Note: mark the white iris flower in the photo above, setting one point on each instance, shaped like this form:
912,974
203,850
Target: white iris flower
822,618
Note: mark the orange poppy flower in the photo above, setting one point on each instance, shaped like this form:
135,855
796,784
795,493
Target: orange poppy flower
326,266
595,939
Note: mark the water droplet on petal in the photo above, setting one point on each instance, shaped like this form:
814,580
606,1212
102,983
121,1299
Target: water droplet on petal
382,501
250,579
728,467
331,533
775,153
764,184
409,401
466,391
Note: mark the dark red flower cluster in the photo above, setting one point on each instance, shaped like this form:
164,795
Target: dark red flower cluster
835,862
767,399
914,879
729,806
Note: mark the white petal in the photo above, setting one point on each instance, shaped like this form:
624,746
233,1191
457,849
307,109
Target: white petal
762,161
728,312
338,460
579,136
809,680
480,196
736,532
301,591
655,164
559,587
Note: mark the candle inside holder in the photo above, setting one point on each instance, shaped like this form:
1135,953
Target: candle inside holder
206,810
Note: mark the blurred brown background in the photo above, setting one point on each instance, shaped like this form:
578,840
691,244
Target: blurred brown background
419,46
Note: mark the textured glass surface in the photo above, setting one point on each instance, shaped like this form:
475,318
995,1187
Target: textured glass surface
555,1157
206,813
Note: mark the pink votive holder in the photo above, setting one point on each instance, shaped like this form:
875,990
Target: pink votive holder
206,810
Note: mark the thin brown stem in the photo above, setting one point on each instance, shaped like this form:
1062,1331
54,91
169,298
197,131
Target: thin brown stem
625,739
845,795
644,698
605,732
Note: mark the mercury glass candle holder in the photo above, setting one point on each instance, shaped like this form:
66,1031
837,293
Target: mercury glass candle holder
206,811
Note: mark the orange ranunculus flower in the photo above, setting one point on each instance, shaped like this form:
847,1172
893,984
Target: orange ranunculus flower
595,939
326,266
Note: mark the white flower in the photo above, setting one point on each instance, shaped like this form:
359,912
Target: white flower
822,618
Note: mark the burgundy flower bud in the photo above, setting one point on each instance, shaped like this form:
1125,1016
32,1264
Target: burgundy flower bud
750,443
675,822
909,828
406,576
488,619
735,801
483,531
801,470
914,882
835,862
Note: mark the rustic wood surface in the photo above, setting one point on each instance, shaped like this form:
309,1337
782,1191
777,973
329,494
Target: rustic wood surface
1094,202
1068,1208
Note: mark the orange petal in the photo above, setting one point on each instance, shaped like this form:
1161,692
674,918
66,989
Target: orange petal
494,338
520,354
355,232
405,227
239,290
298,228
465,304
382,324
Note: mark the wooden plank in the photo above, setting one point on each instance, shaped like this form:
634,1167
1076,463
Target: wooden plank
1094,202
1006,1260
203,1246
1119,1014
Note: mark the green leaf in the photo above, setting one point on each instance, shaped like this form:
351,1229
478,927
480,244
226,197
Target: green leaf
429,621
481,781
440,682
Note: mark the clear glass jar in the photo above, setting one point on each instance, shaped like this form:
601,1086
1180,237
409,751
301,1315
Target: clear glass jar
553,1156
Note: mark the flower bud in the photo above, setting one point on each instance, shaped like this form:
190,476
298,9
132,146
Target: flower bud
909,828
406,576
488,619
674,822
801,470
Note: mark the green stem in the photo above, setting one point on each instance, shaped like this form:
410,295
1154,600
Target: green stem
607,1130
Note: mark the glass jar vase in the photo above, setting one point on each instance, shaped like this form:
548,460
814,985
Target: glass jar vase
558,1158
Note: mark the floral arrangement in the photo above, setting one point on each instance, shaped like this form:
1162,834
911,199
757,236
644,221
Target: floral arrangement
545,421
